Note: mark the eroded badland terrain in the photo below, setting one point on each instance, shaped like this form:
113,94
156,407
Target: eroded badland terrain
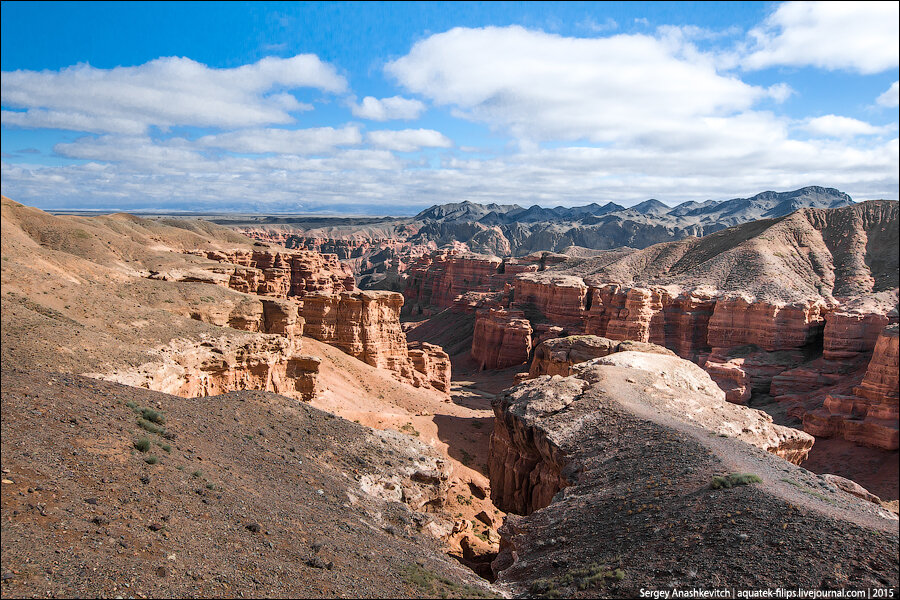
480,401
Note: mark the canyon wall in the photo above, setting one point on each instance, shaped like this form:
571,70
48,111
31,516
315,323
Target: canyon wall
366,325
869,415
789,350
306,293
284,274
435,280
502,338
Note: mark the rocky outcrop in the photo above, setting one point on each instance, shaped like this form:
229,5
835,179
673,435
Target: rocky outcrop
436,280
558,356
526,462
366,325
540,424
870,415
631,454
502,338
431,361
741,320
283,274
215,366
559,298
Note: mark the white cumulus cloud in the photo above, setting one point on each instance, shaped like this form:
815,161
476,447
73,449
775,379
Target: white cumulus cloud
317,140
408,140
890,98
841,127
388,109
540,86
164,92
856,36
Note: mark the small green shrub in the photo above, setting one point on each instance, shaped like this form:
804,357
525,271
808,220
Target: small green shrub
432,585
153,416
142,444
132,405
583,578
151,460
408,429
151,427
197,474
165,447
729,481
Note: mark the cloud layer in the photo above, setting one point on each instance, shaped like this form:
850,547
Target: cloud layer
857,36
164,92
612,117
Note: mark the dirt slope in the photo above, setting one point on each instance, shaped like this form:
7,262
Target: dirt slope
252,494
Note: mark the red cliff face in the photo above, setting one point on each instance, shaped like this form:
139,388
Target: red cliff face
432,363
560,298
870,415
435,280
463,274
641,317
366,325
739,320
657,315
850,334
284,274
502,339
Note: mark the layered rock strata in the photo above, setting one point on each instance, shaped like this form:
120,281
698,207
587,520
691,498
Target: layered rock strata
559,298
215,366
437,279
366,325
431,361
869,415
284,274
502,338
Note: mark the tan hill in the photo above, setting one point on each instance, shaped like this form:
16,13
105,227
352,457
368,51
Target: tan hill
811,253
102,296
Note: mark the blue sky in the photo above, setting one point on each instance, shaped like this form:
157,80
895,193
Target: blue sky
391,107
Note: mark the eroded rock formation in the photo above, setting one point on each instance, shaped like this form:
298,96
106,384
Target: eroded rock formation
502,339
870,414
431,361
215,366
366,325
283,274
436,280
539,424
558,356
560,298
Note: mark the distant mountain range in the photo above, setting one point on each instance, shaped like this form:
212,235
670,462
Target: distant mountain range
512,229
738,210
